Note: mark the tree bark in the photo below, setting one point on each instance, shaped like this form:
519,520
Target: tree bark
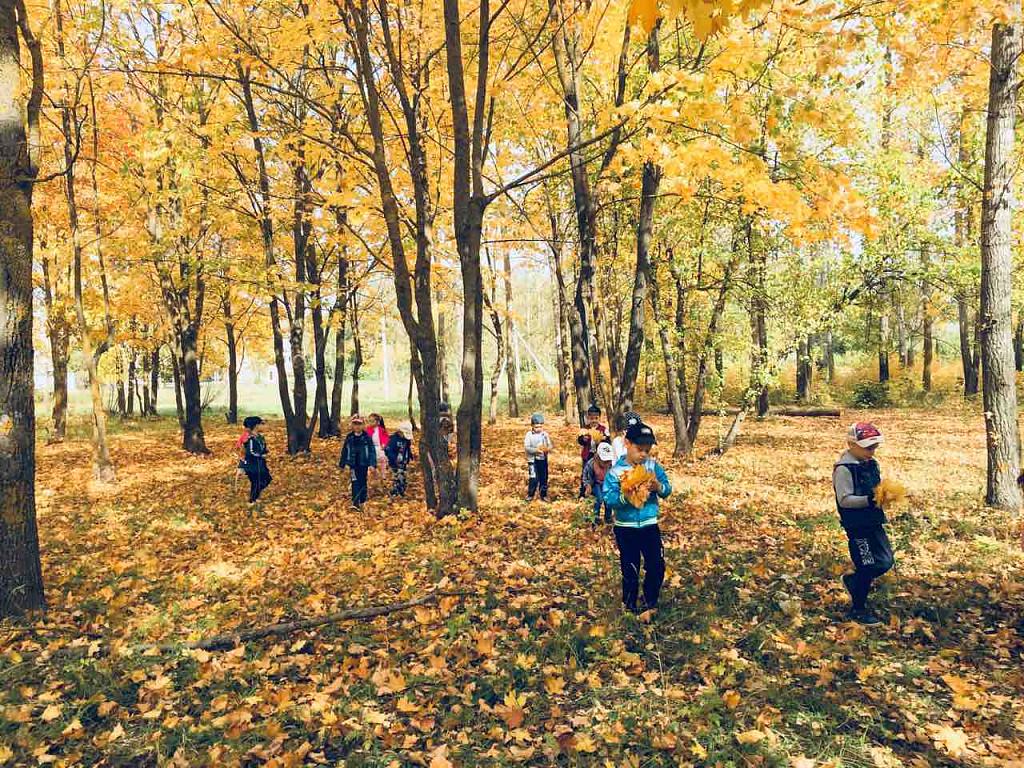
154,380
1018,346
883,346
928,341
232,343
21,579
683,446
58,332
341,313
176,368
499,361
442,355
999,389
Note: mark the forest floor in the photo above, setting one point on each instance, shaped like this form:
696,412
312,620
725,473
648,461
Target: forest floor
748,663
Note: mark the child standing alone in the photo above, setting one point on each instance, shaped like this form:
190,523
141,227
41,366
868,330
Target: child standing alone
399,454
636,528
537,444
254,461
854,479
358,454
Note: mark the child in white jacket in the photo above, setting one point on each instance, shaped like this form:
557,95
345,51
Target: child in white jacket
537,444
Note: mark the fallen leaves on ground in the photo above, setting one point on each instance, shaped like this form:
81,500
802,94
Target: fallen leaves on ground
748,661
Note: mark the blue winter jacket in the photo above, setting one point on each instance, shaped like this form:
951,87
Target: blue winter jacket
626,515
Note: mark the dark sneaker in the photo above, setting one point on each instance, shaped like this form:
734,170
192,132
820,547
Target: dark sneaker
865,616
848,583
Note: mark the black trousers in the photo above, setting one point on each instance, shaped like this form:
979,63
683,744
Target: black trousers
359,493
636,544
259,479
872,556
398,480
598,503
583,485
538,473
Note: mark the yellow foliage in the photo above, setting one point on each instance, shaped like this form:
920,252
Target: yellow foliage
635,485
890,493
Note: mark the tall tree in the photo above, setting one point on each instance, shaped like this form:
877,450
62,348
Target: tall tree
21,578
999,389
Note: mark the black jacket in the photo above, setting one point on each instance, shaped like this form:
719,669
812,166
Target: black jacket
398,450
255,453
358,451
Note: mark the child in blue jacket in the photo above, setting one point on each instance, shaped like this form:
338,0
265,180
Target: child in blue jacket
636,530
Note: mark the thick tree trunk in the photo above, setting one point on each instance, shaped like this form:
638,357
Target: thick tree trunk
193,439
21,579
176,369
999,389
512,371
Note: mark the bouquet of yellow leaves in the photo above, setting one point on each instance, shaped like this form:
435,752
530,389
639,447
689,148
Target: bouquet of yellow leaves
594,435
635,485
890,493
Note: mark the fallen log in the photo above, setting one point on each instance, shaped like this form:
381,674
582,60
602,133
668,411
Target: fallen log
780,411
230,640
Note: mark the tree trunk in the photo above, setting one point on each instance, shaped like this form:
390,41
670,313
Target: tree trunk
902,345
883,347
1018,346
758,259
232,342
59,356
357,356
320,337
21,579
193,439
442,355
499,361
178,404
341,313
561,369
968,352
650,181
928,342
132,359
409,401
683,446
999,389
154,380
512,371
576,360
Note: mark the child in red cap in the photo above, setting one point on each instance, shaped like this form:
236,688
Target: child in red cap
854,479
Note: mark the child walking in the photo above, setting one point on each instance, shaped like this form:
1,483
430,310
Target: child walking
854,479
379,434
358,454
636,527
254,461
588,445
399,454
594,473
629,419
537,444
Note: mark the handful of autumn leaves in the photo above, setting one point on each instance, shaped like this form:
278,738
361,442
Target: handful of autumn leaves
594,435
636,485
890,493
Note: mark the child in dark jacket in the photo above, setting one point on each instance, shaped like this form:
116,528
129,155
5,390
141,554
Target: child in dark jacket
358,454
399,453
254,461
854,478
593,478
588,440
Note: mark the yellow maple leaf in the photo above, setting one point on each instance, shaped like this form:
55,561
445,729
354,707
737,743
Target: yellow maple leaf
644,13
750,737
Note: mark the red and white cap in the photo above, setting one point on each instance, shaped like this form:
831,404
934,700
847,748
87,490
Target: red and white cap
865,434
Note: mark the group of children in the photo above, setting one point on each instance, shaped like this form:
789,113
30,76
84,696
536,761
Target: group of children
855,478
364,448
608,467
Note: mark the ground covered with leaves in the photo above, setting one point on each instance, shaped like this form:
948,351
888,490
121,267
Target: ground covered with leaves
749,662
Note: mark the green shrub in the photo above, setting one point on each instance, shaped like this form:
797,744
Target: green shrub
871,394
